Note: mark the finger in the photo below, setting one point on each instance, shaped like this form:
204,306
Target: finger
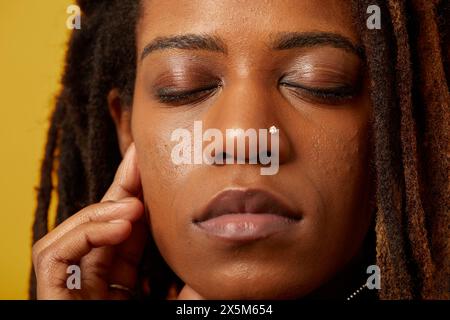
128,255
120,262
187,293
127,182
52,263
126,209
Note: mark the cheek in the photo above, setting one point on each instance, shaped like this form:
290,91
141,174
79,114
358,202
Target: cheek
159,176
164,183
337,162
339,152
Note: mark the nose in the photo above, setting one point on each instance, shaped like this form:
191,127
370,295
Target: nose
246,115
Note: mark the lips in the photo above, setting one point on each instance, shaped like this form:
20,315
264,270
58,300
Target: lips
246,215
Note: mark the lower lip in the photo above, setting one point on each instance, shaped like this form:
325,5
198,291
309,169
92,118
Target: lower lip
246,226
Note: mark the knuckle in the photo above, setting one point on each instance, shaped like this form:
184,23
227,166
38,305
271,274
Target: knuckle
43,258
95,211
92,213
35,252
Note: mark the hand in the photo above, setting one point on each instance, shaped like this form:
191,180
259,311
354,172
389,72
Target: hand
187,293
105,240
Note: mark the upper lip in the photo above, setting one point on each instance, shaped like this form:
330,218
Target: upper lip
246,201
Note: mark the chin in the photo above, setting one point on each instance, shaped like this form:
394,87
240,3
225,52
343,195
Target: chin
262,286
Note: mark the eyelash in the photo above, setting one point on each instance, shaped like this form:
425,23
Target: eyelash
325,95
174,97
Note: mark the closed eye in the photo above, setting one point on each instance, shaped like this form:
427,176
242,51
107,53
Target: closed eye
176,97
330,95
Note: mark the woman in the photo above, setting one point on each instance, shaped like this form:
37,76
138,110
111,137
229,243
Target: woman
362,120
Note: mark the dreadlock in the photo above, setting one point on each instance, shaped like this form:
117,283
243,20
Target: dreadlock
408,65
411,100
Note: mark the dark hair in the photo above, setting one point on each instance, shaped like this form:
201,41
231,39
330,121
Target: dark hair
408,65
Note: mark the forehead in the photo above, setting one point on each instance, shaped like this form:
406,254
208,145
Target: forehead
241,21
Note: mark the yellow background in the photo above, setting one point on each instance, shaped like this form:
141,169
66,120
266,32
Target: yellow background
33,36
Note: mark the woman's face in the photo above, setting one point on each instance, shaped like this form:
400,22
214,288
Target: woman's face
250,64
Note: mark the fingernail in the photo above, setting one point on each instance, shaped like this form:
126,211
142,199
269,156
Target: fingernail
130,150
126,162
119,221
127,200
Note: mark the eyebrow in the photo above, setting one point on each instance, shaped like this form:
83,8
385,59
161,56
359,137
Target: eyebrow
283,41
187,42
291,40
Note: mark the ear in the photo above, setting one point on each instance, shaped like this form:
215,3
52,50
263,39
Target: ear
121,115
